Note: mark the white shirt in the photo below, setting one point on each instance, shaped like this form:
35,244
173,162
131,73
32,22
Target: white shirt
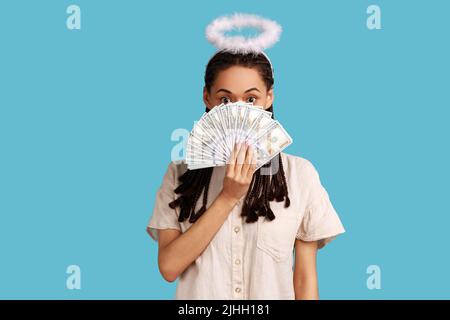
251,260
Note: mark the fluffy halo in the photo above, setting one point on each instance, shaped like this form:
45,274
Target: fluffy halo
270,33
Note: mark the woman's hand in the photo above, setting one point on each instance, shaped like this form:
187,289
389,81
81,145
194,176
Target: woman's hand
239,172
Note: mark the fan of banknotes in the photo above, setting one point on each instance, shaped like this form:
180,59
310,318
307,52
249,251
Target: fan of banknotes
213,137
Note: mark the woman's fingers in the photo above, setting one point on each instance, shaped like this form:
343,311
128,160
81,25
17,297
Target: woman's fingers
231,166
240,158
240,171
253,164
247,161
242,161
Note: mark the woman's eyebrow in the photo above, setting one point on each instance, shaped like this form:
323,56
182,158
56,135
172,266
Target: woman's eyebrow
251,89
228,91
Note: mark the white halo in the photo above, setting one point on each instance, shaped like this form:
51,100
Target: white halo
270,33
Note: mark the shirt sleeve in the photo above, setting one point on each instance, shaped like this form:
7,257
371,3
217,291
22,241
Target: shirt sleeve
163,216
320,221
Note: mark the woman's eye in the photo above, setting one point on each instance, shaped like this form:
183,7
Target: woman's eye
225,100
253,99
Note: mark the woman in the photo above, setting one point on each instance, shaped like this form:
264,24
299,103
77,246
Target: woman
230,232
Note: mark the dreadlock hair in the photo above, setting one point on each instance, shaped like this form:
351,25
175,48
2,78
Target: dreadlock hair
264,187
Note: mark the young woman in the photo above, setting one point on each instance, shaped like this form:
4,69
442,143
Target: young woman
229,232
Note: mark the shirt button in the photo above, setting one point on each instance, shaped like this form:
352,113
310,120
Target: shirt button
237,261
236,229
237,289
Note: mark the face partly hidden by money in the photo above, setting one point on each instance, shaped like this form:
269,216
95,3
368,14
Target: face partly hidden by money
214,135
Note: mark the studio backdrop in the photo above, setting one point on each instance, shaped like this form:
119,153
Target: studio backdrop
98,97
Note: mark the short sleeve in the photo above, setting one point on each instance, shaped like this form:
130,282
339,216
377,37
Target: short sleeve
163,216
320,221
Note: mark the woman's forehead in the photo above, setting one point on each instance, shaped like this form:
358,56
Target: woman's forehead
238,79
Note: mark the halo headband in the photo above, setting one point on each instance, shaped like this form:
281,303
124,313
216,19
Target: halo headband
270,34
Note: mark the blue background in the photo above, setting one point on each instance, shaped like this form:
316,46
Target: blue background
86,118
